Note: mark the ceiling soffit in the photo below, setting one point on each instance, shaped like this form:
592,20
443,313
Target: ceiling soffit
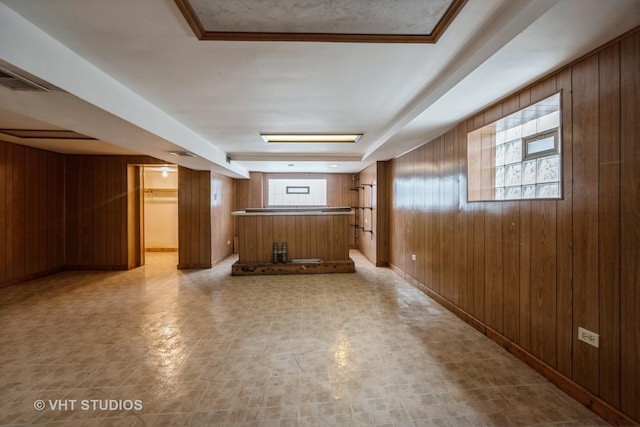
44,134
361,21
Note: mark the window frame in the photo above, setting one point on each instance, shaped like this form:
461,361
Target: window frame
483,157
536,137
295,183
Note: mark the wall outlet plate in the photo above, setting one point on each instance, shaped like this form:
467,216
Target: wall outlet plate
589,337
413,257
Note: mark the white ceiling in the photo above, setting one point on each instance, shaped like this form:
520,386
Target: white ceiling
134,76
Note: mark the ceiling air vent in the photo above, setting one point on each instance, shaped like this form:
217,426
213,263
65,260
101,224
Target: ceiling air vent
182,153
14,81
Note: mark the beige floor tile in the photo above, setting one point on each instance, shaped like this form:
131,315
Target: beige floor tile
203,348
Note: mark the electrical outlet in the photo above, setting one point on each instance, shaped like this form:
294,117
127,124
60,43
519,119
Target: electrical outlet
365,220
589,337
413,257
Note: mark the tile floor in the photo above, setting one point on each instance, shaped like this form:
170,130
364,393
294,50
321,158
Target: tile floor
204,348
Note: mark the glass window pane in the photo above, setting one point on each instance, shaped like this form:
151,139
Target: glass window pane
513,175
512,193
500,151
540,145
549,169
529,172
500,176
513,133
529,128
529,192
514,152
546,191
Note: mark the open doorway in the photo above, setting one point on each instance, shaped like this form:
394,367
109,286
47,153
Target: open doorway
160,214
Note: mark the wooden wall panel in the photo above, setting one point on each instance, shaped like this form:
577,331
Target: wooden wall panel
293,229
529,273
194,218
585,218
242,194
511,269
4,211
366,242
253,192
373,192
437,252
543,281
449,205
478,260
382,205
524,308
609,224
71,212
564,237
630,224
223,226
493,266
96,205
31,213
19,232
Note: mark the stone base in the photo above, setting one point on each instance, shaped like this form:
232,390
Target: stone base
238,269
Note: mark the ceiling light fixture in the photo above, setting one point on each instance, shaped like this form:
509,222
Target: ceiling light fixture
310,138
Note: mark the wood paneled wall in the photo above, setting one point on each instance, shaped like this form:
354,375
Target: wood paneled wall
71,211
31,213
96,210
223,227
374,193
252,193
529,273
249,192
194,218
307,236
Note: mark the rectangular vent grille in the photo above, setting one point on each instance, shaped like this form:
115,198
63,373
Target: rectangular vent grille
182,153
14,81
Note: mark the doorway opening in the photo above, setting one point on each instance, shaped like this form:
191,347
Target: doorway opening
159,219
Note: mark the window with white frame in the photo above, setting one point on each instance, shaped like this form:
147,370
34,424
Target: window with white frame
297,192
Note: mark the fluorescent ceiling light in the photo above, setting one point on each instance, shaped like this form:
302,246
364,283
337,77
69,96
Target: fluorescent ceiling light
322,138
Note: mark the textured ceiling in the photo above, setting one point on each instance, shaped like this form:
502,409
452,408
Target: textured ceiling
328,16
132,74
361,21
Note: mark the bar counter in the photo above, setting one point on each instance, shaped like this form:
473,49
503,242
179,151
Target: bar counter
309,233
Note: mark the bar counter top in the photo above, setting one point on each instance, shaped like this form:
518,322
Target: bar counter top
294,211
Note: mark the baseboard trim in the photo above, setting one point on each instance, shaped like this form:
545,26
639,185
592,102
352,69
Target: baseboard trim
598,406
95,267
193,266
32,276
219,260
